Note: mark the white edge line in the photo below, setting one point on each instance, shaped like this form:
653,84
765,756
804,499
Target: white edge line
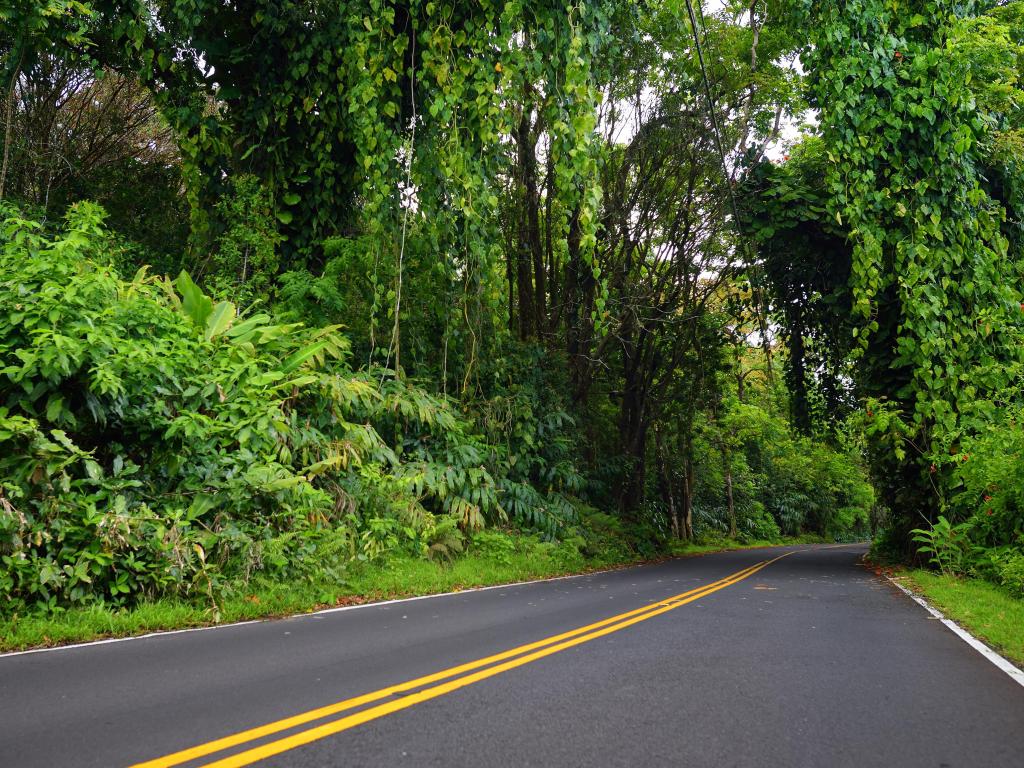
339,609
108,640
1006,666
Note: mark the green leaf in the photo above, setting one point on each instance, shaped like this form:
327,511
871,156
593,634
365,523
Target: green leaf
196,305
54,408
220,320
248,326
304,354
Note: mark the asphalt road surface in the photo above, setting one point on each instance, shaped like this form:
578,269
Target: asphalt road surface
807,660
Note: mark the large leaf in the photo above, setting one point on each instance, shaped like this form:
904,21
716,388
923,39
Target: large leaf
220,319
303,355
194,303
244,330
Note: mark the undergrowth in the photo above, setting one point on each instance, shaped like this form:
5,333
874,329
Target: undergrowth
492,557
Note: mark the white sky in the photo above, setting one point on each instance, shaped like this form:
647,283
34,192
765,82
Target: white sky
789,132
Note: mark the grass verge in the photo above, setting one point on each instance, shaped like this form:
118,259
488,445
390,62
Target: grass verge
982,608
508,559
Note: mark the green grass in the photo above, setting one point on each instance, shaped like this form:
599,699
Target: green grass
521,559
984,609
721,544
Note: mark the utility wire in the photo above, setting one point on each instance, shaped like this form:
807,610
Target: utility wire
712,113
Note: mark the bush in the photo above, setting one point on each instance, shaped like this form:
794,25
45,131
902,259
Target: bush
154,442
244,257
984,531
494,545
947,546
604,536
987,469
1011,574
758,525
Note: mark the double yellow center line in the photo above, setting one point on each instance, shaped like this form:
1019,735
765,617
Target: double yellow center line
423,688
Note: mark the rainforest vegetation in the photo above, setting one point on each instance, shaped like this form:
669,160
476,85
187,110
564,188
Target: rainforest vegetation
290,287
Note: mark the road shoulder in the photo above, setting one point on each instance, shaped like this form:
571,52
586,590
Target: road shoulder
984,617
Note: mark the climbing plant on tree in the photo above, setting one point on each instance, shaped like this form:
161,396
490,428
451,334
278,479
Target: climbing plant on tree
806,259
365,117
932,281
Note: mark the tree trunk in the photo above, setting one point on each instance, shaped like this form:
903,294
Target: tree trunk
730,503
523,255
530,268
8,122
510,274
578,296
688,479
556,310
534,242
633,425
633,489
665,485
799,406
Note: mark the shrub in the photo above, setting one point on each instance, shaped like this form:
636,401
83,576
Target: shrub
947,546
1011,574
244,259
758,525
494,545
153,441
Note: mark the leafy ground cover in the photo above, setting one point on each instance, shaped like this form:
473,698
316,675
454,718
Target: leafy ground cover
987,611
496,557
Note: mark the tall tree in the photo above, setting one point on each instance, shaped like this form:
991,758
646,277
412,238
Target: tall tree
912,96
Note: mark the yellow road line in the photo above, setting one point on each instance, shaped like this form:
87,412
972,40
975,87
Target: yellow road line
328,729
560,641
331,709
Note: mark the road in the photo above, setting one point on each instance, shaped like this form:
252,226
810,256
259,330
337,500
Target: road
769,657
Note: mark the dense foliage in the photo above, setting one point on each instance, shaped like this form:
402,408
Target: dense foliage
154,441
373,280
892,243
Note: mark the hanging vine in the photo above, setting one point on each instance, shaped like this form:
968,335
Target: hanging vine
316,100
933,285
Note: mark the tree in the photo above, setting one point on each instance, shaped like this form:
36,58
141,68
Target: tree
806,257
78,134
669,246
913,96
29,28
